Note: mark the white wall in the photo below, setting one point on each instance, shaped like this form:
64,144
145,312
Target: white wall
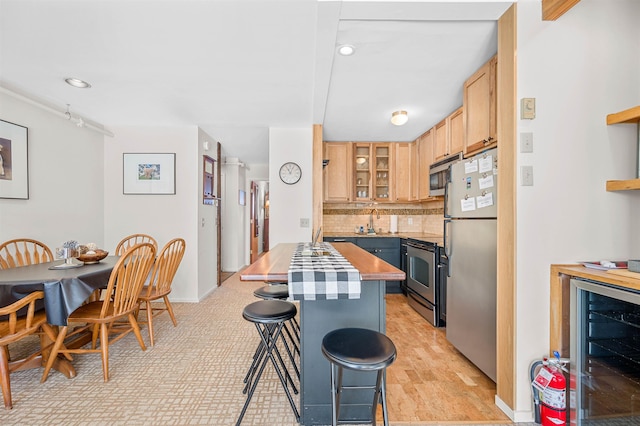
579,68
162,216
234,224
65,179
290,203
207,228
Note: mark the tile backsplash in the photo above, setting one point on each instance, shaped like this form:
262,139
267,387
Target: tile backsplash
425,218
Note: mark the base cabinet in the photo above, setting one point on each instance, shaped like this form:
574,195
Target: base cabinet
385,248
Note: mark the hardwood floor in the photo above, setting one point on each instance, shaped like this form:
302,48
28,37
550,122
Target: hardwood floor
430,381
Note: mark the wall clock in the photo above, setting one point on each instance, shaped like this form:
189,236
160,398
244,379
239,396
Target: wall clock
290,173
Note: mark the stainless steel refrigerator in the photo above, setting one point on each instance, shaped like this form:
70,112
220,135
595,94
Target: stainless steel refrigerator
470,242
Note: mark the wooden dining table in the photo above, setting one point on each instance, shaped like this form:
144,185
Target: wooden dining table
320,316
65,290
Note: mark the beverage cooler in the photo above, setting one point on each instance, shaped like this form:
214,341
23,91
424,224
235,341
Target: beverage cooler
605,355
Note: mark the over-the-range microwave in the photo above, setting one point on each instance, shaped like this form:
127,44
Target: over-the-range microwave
439,174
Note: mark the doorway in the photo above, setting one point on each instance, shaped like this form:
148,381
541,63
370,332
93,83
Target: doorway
259,222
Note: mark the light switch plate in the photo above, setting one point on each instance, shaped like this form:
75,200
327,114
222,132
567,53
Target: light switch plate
526,175
526,142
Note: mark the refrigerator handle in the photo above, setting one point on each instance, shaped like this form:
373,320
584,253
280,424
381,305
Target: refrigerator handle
447,245
446,194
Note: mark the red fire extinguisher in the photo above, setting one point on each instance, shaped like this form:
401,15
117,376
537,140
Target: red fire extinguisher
550,391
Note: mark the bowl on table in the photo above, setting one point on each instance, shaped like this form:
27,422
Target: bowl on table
92,256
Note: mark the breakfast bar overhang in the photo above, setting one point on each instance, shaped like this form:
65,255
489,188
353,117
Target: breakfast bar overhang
318,317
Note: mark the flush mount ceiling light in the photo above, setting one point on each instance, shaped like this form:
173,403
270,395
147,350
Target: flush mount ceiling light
76,82
399,118
346,50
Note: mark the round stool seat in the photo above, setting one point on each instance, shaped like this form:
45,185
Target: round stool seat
359,349
275,291
269,311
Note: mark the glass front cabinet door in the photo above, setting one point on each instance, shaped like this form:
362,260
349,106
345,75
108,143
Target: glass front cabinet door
362,168
382,171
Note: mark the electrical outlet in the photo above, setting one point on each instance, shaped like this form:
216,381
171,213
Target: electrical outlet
410,221
304,222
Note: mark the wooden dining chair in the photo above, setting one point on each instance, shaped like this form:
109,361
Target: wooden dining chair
99,317
133,239
22,252
15,328
159,287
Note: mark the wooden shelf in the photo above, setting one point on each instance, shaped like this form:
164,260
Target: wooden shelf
623,185
631,115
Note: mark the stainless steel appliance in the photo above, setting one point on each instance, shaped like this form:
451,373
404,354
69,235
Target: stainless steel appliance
470,242
422,284
441,276
439,174
605,354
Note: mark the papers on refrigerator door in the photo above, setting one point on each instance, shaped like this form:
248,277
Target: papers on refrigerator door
485,200
470,166
468,204
485,164
485,182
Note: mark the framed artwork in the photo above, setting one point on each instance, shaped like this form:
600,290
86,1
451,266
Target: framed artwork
14,164
150,173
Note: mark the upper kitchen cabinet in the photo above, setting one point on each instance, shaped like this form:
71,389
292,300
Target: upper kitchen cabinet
425,158
337,173
406,173
480,109
373,171
629,116
449,135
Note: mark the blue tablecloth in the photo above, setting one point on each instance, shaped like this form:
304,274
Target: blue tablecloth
321,273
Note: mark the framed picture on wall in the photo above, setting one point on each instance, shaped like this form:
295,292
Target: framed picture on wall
149,173
14,164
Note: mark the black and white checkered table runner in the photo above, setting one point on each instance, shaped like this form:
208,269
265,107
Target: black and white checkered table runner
322,277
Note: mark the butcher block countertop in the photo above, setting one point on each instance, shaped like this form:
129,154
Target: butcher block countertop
560,296
274,264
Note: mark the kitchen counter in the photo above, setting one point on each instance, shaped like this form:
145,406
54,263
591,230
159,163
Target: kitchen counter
560,296
420,236
318,317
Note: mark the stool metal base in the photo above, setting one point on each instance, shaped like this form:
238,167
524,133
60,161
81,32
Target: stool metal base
269,317
360,350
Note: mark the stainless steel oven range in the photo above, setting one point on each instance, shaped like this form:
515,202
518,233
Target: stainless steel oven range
422,279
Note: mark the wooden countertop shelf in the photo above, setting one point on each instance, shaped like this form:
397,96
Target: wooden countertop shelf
623,185
631,115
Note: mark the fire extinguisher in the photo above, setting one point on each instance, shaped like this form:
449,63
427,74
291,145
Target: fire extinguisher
549,390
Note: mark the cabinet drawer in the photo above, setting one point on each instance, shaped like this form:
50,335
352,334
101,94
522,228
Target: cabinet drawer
340,239
379,242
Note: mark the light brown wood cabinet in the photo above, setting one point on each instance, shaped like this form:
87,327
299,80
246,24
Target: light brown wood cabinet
480,109
449,135
425,158
337,173
373,168
406,174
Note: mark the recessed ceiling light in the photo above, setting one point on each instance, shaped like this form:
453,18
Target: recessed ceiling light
346,50
399,118
76,82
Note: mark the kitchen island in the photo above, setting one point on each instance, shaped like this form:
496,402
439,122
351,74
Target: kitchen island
318,317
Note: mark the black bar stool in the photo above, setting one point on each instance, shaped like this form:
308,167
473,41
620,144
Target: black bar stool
280,291
269,317
363,350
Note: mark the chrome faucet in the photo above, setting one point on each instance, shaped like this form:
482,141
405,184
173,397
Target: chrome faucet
371,230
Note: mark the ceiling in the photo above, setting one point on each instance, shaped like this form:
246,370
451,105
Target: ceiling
237,68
